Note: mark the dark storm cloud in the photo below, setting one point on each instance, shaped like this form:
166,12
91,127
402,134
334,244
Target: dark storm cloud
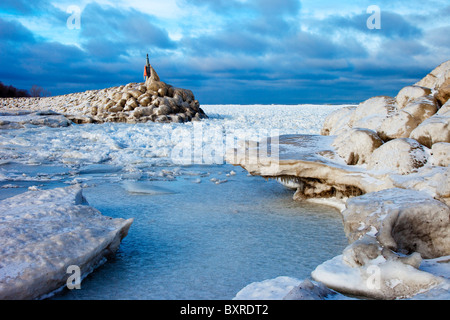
261,51
127,29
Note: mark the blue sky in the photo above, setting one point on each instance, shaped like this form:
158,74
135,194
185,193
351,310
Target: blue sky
226,51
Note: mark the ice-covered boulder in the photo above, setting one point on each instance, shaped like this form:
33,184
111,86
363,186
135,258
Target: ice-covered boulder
421,108
308,290
389,231
401,156
372,112
337,121
433,130
436,77
45,232
409,93
443,93
401,220
445,109
20,118
380,278
441,154
431,180
397,125
356,145
117,104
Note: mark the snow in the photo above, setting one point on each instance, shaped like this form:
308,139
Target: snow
136,148
383,279
154,151
271,289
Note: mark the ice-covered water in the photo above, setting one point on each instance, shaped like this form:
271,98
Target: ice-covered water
203,229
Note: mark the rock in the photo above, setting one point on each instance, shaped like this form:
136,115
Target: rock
132,103
443,93
115,104
122,102
397,125
163,110
307,290
421,108
401,156
409,93
404,221
441,154
437,77
15,119
116,108
44,232
379,279
161,118
371,113
162,92
142,88
126,96
134,93
433,130
337,121
361,251
109,104
356,145
434,181
116,96
445,109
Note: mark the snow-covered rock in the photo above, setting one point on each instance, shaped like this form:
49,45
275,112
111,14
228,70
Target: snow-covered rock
401,156
445,109
372,112
397,125
410,93
45,232
436,77
421,108
433,130
166,104
379,279
20,119
404,221
443,92
441,154
308,290
272,289
356,145
337,121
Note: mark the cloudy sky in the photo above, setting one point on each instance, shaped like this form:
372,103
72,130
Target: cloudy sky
226,51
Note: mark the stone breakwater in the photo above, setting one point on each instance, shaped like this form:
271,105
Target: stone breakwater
153,100
386,164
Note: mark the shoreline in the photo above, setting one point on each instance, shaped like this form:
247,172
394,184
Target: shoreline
388,159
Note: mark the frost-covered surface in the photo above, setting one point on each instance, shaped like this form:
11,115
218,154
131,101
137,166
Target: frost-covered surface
136,148
34,157
390,229
45,232
21,119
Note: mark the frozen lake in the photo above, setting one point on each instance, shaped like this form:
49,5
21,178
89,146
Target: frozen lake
202,229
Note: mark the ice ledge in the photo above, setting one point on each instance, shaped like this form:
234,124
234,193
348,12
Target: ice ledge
392,221
44,232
